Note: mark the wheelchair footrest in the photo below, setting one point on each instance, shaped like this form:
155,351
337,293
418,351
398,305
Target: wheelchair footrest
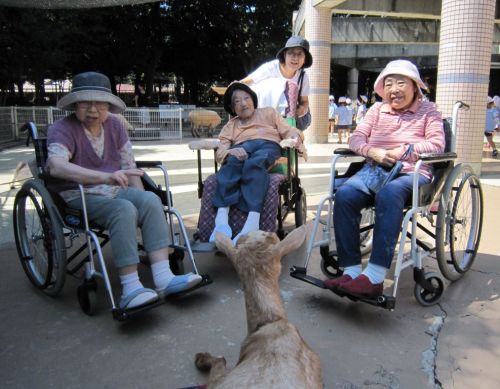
205,280
125,314
383,301
202,247
300,273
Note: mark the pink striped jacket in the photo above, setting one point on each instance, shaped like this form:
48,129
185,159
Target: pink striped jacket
382,127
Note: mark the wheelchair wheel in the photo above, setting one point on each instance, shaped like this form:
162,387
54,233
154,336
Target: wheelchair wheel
176,262
366,237
87,296
39,237
301,209
329,263
459,222
427,297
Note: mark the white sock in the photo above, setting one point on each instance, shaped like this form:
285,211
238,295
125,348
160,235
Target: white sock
352,271
375,273
162,275
130,283
222,216
252,224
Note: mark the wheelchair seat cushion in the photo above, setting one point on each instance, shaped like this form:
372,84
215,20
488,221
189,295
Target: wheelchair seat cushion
237,218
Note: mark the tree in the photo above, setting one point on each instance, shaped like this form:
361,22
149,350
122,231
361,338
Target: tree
195,44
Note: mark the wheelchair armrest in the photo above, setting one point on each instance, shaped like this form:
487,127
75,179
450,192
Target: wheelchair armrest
147,164
345,151
438,157
204,144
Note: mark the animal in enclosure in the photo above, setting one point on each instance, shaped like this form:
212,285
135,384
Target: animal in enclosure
273,355
204,118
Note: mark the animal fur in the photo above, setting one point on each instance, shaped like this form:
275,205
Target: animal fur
204,118
273,355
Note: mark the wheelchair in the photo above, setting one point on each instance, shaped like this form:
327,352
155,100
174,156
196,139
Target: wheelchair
285,196
46,229
447,211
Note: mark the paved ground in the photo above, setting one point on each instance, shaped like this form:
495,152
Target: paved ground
46,342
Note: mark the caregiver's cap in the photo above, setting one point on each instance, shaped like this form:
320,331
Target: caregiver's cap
296,41
402,67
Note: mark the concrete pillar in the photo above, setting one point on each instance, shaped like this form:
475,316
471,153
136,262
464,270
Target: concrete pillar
318,31
352,83
463,70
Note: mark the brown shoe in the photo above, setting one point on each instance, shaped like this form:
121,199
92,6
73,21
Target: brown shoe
361,286
334,283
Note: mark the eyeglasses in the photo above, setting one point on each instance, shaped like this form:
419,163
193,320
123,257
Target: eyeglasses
295,53
100,105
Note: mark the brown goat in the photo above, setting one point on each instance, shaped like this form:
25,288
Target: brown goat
273,355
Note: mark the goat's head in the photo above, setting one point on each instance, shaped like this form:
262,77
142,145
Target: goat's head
260,249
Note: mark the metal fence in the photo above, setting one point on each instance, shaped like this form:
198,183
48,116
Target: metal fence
165,122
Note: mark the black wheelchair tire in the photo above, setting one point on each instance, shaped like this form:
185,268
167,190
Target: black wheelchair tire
39,237
301,209
426,297
87,298
462,189
176,260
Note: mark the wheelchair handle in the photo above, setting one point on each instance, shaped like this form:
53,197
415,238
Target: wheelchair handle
344,151
147,164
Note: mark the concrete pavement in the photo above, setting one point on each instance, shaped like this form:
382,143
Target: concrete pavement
47,342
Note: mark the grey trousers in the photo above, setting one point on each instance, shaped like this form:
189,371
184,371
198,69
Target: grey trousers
121,216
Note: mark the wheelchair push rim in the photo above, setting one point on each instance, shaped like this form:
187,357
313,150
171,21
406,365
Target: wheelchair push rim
39,237
459,222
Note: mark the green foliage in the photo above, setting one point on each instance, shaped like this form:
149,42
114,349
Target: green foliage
192,43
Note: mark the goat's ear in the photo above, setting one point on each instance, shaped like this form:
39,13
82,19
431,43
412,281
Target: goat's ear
292,241
224,244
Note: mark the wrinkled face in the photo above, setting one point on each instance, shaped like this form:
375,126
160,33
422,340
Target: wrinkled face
399,91
295,58
242,104
92,113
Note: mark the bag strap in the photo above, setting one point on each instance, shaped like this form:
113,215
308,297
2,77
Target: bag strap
301,78
408,151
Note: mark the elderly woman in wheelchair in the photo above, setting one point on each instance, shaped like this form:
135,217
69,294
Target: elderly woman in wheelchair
91,148
397,130
249,146
401,181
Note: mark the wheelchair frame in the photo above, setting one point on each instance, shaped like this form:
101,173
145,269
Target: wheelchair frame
292,197
451,183
42,246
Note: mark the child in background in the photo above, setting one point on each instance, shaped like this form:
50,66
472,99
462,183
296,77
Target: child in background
492,124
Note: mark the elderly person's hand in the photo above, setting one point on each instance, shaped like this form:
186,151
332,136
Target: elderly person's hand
239,153
382,157
121,177
295,143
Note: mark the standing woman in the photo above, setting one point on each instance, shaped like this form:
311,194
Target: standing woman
271,79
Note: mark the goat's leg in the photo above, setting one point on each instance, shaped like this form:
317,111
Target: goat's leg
215,365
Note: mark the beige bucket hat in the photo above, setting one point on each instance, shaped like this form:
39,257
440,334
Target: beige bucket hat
91,86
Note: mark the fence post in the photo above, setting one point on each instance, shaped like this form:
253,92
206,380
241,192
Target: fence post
13,120
180,123
50,115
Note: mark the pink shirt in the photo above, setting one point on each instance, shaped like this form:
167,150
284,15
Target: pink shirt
383,127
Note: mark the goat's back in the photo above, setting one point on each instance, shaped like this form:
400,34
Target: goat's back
275,356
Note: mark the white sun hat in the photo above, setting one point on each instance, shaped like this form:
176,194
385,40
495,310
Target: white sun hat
402,67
